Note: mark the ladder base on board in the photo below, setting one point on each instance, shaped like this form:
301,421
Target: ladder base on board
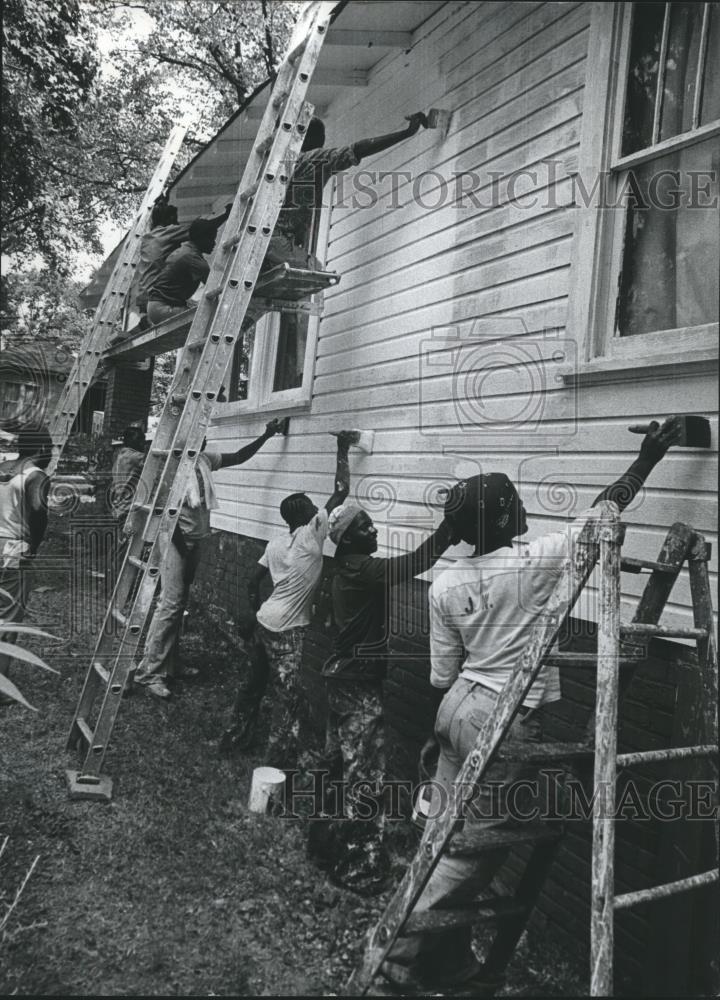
101,789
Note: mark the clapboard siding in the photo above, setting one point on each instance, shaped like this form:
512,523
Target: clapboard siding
415,281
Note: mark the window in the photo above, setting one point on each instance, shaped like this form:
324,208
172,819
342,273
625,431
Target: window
651,254
16,398
274,361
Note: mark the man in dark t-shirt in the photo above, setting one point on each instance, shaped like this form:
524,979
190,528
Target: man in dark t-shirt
352,846
293,240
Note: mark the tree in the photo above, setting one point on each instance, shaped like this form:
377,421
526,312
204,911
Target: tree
82,131
42,307
49,65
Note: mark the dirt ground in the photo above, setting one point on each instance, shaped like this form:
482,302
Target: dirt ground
173,888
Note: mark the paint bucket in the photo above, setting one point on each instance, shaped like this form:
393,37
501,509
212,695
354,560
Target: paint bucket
266,790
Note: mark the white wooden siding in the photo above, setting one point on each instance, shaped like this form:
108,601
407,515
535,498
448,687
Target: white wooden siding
513,76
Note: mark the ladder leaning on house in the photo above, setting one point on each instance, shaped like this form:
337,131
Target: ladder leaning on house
212,337
600,541
110,306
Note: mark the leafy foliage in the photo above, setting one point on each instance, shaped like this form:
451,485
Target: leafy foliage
89,102
49,65
9,630
42,307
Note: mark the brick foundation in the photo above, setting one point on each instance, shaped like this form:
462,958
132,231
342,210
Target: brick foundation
649,719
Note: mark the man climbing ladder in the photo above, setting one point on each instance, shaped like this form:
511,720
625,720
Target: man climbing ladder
172,460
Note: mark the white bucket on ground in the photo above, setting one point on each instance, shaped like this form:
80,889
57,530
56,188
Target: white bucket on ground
266,789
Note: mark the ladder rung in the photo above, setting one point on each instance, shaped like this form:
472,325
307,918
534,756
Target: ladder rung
214,293
119,617
434,921
262,147
641,628
587,660
250,192
85,730
659,756
195,345
297,52
102,673
662,891
542,752
137,562
631,565
160,452
492,840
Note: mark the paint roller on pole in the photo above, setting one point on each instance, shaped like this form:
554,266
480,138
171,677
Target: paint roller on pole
694,433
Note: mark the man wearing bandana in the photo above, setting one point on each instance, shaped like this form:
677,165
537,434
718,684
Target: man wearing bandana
351,846
482,611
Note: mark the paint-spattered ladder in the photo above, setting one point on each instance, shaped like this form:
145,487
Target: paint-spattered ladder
599,542
110,306
211,341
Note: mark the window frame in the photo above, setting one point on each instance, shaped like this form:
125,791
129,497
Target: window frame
260,396
599,235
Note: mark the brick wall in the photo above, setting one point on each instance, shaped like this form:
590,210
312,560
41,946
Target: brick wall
654,714
127,398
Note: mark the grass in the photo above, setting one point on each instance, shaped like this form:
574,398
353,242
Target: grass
173,888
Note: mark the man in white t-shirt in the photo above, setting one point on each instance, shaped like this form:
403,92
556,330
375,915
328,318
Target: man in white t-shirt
160,662
294,561
482,611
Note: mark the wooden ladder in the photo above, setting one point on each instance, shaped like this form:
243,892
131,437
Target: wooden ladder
172,458
600,541
110,306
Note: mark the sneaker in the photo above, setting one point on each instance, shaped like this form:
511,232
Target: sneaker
159,689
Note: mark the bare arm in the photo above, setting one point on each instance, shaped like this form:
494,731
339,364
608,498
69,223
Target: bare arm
366,147
653,448
342,471
243,454
254,584
402,568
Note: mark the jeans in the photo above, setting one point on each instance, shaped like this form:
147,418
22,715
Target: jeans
161,646
457,880
158,312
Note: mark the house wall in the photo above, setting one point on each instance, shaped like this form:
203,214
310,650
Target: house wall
436,301
418,283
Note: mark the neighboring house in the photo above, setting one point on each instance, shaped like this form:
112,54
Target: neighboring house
32,376
497,310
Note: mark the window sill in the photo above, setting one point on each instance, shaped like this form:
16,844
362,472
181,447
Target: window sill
632,369
243,409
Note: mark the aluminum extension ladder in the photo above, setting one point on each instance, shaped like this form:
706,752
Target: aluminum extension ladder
600,541
173,456
110,305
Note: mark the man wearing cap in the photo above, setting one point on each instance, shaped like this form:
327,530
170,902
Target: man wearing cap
23,521
482,611
352,847
294,561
